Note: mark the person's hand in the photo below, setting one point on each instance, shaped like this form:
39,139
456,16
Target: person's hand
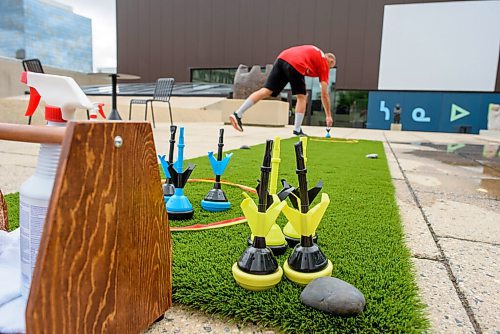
329,121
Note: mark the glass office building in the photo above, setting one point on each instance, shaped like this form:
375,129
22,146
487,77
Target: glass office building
48,31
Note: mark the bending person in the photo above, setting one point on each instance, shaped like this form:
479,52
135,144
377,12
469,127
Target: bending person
291,66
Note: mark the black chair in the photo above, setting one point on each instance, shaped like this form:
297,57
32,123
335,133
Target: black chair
163,91
34,65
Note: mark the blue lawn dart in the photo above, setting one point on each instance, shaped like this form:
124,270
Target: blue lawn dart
216,200
178,206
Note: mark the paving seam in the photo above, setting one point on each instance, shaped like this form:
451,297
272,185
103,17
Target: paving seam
425,258
469,240
444,260
478,197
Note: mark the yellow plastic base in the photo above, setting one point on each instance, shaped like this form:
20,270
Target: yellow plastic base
305,278
275,237
290,232
256,282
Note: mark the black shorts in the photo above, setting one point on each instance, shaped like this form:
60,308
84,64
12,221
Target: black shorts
283,73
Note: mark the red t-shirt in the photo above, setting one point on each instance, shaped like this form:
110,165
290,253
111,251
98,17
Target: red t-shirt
308,60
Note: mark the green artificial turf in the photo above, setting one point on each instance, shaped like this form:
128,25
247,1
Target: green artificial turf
360,233
12,201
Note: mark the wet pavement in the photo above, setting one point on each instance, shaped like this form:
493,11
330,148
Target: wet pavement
480,167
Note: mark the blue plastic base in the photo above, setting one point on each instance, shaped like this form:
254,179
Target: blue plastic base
215,206
166,198
179,207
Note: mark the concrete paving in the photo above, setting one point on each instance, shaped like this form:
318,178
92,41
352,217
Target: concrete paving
455,196
448,190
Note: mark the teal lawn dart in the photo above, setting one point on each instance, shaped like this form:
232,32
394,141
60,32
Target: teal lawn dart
178,206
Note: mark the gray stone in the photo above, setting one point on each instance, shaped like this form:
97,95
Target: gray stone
333,295
246,82
372,156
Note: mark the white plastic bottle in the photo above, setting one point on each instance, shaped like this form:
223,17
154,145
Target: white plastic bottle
62,96
34,197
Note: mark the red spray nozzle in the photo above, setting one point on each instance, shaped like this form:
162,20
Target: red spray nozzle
101,112
34,96
34,101
56,91
98,108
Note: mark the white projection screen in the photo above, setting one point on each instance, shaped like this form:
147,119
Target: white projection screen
448,46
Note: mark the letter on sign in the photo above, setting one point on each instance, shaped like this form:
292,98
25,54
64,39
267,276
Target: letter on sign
385,110
418,115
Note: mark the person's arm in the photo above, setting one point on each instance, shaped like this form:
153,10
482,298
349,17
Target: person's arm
325,100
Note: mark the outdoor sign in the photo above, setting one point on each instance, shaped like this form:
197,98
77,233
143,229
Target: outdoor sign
426,111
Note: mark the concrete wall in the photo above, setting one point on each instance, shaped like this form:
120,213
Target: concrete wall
10,75
264,113
184,109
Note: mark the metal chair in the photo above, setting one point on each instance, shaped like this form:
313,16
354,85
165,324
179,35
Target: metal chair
34,65
163,91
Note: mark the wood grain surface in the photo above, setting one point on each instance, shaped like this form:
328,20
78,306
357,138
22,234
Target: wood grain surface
104,263
32,133
4,217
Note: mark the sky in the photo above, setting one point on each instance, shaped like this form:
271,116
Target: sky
103,15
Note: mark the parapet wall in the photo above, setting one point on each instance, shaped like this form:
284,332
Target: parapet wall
184,109
10,75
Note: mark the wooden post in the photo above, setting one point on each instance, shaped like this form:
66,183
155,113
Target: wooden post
104,262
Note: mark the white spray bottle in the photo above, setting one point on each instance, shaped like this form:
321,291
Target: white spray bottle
62,96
